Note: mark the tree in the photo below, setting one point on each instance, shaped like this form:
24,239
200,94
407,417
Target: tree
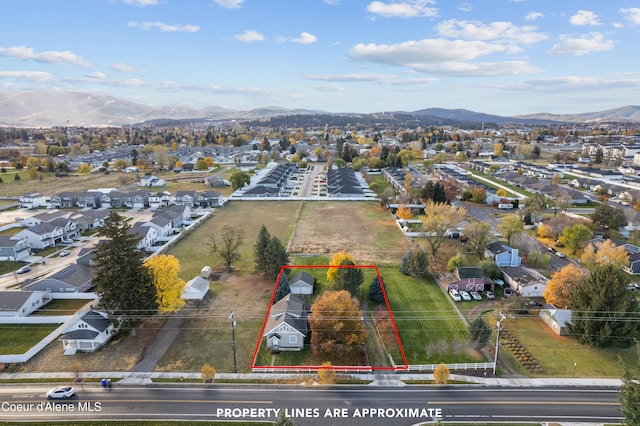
478,236
441,374
510,226
491,269
227,245
609,217
629,395
404,212
283,288
337,332
575,237
238,179
560,287
207,373
603,313
604,252
479,333
260,248
337,259
327,374
375,290
414,263
164,270
125,286
454,262
283,420
438,218
349,278
275,257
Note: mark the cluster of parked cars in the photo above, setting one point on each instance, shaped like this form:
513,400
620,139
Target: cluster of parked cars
460,295
633,286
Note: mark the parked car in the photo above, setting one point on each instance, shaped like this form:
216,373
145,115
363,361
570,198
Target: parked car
455,295
632,286
534,304
64,253
560,254
24,269
508,292
637,285
489,295
61,392
465,296
475,295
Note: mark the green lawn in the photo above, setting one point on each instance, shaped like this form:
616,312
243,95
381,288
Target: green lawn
19,338
61,307
499,182
556,354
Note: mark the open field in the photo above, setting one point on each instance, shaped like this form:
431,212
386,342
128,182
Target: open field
363,229
247,216
556,354
19,338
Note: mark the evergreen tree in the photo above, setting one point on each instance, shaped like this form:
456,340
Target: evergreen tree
414,263
349,279
604,313
275,257
125,285
479,333
283,288
629,397
375,290
260,248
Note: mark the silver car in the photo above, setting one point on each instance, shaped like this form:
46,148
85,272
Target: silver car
61,392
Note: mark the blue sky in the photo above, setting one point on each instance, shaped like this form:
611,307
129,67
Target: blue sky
502,57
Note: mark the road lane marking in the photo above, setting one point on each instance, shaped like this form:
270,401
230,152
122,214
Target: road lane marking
521,403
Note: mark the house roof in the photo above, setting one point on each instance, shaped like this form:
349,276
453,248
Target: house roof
470,272
13,300
523,276
196,285
290,310
80,335
74,276
497,247
97,320
304,277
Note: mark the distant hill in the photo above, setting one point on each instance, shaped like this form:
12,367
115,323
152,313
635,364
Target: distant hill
627,113
73,108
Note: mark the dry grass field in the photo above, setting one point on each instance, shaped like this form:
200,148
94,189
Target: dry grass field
363,229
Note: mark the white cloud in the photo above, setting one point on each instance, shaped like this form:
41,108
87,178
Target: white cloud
532,16
328,88
584,18
229,4
122,67
403,9
51,57
632,14
465,7
167,28
587,43
387,79
142,3
442,56
331,2
503,31
98,75
572,83
305,38
37,76
249,36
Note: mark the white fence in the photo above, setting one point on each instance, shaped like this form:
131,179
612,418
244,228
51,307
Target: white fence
7,359
426,368
418,368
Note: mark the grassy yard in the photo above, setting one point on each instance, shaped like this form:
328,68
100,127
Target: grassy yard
61,307
499,182
556,354
247,216
19,338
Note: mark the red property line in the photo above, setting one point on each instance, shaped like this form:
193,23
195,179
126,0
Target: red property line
345,368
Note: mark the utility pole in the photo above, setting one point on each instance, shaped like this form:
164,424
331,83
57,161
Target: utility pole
495,360
233,341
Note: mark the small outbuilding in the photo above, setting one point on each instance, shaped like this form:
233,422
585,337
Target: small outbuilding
195,289
302,283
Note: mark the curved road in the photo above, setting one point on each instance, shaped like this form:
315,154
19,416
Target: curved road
311,406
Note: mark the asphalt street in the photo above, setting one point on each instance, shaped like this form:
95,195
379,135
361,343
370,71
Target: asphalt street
316,406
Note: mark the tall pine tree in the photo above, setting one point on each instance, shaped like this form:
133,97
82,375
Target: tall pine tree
260,248
604,313
375,290
275,257
125,286
283,288
349,279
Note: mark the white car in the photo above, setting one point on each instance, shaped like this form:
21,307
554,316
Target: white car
560,254
475,295
465,296
64,253
61,392
489,295
455,295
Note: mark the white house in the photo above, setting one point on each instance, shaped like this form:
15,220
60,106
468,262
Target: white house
32,200
150,180
13,248
286,326
524,281
195,289
41,236
22,303
90,332
556,319
301,283
503,254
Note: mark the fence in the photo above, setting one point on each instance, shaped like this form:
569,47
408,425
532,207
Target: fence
455,367
418,368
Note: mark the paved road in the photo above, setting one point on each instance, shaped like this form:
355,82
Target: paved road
326,406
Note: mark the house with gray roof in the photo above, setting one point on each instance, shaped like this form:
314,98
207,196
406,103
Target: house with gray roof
91,331
287,325
22,303
13,248
301,283
41,236
74,278
64,200
32,200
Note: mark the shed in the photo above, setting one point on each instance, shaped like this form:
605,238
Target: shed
195,289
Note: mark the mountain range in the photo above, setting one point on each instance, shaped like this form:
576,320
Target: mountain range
73,108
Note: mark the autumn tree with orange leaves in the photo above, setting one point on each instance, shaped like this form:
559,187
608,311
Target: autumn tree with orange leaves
560,287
